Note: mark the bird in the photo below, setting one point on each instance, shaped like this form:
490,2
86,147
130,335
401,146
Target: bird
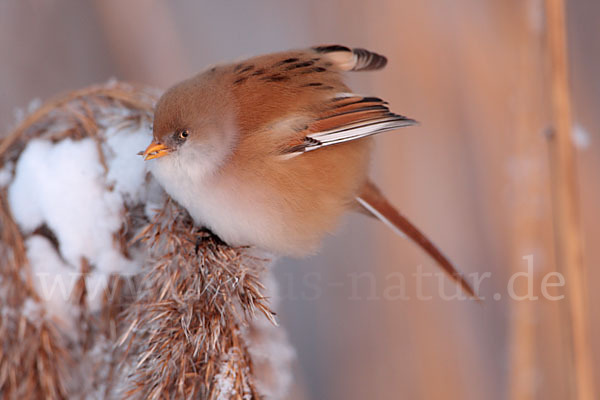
271,151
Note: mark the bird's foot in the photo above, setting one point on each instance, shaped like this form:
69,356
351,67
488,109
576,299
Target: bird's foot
206,234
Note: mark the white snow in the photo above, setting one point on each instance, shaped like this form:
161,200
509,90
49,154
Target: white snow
226,377
224,382
63,186
95,284
52,279
126,169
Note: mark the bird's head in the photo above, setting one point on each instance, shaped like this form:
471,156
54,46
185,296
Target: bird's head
193,128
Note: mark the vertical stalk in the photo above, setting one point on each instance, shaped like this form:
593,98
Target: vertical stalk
565,199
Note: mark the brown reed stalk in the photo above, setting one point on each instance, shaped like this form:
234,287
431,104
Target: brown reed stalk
566,204
528,243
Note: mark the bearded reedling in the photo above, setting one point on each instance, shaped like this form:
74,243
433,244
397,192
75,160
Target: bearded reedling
271,151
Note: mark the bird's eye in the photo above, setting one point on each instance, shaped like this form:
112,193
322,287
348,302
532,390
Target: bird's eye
183,134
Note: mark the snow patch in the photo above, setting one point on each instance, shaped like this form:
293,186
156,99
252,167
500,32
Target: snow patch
224,382
225,379
127,170
96,284
53,280
62,185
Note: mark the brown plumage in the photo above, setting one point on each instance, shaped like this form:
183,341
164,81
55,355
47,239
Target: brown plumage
272,151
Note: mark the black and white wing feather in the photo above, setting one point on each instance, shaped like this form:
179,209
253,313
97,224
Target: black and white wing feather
350,117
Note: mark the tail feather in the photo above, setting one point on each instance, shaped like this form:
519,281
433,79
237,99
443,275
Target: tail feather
353,59
377,205
368,61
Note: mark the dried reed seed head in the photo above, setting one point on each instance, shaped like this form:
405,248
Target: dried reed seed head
211,290
181,323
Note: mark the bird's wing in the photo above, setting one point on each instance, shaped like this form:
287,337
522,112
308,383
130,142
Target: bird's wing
303,92
347,117
375,203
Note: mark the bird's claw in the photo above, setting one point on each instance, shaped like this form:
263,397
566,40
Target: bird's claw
206,234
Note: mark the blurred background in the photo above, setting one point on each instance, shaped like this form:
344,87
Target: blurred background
475,176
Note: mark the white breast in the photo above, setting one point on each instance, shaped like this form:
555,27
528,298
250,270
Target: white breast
236,211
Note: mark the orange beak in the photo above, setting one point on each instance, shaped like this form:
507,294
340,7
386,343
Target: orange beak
155,150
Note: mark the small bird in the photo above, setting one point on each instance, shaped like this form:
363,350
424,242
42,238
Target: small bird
271,151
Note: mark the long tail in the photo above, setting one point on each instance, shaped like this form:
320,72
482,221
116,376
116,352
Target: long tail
373,201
